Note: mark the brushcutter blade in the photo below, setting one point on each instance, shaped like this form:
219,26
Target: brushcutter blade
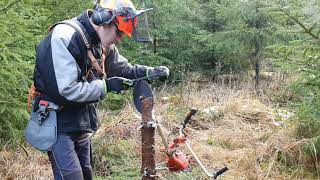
141,90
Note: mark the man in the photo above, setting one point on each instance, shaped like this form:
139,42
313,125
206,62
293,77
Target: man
74,75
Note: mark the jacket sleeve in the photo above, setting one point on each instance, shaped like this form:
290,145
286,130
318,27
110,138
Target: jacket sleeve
118,65
67,71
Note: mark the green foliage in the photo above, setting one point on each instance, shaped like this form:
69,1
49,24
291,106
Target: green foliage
299,52
209,36
308,115
172,28
301,55
23,24
15,80
116,158
311,151
114,101
205,35
17,35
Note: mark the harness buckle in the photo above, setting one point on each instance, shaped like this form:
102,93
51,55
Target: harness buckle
43,111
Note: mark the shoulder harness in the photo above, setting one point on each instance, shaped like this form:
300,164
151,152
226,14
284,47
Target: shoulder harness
100,68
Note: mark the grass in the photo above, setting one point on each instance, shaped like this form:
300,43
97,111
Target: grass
18,165
234,126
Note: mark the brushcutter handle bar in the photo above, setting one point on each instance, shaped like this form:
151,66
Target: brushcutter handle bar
219,172
132,82
191,113
149,77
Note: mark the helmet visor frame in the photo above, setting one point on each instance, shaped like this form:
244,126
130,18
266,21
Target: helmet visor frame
130,21
127,21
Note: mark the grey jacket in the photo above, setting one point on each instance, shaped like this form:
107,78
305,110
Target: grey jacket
62,61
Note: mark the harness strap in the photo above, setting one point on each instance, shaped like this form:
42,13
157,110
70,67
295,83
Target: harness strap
93,61
75,26
95,64
32,95
101,70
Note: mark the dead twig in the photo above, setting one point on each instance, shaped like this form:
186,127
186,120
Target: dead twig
24,149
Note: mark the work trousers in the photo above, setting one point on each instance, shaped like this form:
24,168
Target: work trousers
71,157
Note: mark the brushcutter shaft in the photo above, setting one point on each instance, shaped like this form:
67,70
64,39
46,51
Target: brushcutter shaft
185,122
197,159
165,143
191,113
132,82
149,77
214,174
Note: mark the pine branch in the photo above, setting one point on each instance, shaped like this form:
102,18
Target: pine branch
314,25
9,6
312,84
308,31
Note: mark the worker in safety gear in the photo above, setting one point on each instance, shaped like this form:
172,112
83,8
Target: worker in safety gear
75,75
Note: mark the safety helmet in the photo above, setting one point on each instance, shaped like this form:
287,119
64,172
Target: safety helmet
122,13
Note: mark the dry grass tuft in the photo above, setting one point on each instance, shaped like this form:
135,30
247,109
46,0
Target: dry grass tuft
240,131
17,165
234,126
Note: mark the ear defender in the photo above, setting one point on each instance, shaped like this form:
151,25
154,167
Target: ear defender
102,16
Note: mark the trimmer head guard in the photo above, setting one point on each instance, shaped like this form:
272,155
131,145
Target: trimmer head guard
141,90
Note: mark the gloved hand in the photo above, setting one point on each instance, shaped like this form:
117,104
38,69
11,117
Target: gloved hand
159,72
117,84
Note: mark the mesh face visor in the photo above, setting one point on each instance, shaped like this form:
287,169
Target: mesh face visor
134,23
141,30
130,21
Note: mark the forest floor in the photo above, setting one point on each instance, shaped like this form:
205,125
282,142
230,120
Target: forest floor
250,133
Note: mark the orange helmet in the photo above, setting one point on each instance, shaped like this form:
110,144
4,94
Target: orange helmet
124,14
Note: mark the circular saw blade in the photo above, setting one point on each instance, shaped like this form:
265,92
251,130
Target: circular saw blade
141,89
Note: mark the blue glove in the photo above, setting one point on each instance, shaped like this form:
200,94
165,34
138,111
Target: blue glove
117,84
159,72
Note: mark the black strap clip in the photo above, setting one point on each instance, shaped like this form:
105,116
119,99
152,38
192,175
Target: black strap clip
43,111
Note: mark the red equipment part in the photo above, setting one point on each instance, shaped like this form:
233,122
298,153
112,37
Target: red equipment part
44,103
176,160
175,142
